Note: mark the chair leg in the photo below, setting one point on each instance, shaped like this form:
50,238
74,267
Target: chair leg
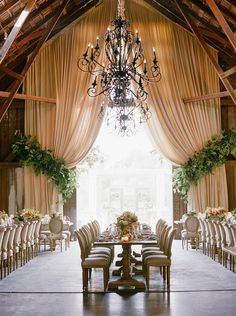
147,273
164,273
85,279
105,277
168,276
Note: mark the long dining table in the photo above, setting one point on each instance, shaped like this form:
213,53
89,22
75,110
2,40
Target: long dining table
126,279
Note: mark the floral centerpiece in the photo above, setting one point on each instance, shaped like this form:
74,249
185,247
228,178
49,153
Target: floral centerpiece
27,215
126,223
4,218
216,212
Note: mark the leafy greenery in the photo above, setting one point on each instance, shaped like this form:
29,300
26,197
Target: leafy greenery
214,154
30,153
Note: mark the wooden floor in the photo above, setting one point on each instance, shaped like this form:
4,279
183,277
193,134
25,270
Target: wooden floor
51,285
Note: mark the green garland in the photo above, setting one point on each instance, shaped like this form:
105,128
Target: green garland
214,154
30,153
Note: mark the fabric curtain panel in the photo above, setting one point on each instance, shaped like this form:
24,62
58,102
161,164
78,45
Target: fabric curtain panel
71,125
179,130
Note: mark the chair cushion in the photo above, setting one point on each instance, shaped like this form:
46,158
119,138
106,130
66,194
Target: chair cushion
160,260
149,248
152,253
97,262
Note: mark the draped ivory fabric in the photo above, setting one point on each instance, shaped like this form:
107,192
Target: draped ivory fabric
70,127
180,130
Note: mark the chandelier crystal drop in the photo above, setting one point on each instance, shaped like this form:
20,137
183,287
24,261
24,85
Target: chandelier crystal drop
123,77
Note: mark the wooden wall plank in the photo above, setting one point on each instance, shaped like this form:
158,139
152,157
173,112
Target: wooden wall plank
231,183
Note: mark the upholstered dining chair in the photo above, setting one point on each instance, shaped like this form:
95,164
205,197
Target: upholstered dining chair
97,232
16,245
230,248
202,235
23,243
190,231
163,238
37,237
66,231
2,231
56,229
89,262
218,239
10,248
29,241
160,260
5,250
213,244
101,251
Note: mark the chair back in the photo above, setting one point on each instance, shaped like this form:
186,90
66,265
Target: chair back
98,228
37,230
5,239
170,239
16,241
164,237
212,229
159,223
29,232
229,235
233,230
192,224
217,231
2,231
222,234
87,235
207,228
11,237
93,231
82,244
56,225
202,227
24,232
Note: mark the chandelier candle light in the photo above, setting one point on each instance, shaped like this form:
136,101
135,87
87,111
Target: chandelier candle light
123,77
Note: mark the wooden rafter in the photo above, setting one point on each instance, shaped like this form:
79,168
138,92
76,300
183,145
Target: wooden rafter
8,6
204,97
18,82
21,96
10,72
219,70
223,23
16,29
210,32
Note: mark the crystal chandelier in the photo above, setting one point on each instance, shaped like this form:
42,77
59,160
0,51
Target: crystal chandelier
123,77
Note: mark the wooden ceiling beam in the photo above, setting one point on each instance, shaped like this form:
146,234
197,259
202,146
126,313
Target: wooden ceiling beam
223,23
16,29
4,107
34,31
9,165
205,96
229,72
20,96
8,6
206,9
219,70
171,12
10,72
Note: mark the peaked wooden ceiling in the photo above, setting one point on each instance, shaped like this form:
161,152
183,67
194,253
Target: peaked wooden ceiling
213,21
